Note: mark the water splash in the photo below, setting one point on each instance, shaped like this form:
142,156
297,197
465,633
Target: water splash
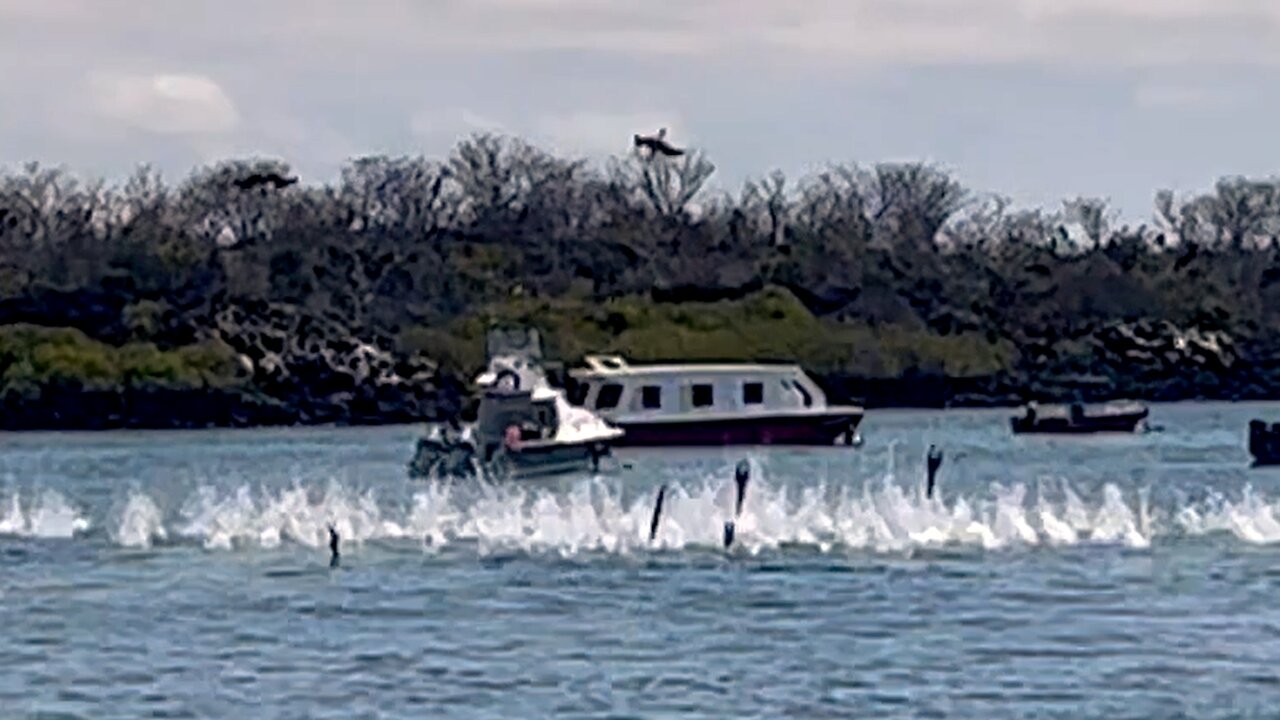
597,516
266,519
49,515
1251,519
605,517
141,523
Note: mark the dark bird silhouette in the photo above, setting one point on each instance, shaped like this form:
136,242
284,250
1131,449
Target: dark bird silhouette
657,513
740,477
657,144
275,180
333,546
934,462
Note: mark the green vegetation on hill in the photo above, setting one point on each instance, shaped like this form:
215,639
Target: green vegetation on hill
769,325
33,359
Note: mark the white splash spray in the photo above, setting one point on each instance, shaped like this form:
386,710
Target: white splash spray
602,517
48,515
596,516
141,523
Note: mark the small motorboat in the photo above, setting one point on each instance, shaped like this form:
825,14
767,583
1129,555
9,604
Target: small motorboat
1076,418
524,427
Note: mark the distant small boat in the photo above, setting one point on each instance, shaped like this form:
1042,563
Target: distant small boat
1077,419
1264,443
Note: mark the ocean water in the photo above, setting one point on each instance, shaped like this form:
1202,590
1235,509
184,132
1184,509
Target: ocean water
186,574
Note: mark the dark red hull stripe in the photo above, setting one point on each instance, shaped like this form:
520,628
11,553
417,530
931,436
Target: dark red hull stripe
780,430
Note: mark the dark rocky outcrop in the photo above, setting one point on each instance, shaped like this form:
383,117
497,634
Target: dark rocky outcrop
324,375
78,408
1148,359
1163,347
251,364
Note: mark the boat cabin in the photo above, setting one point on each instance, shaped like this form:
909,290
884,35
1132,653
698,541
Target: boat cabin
612,387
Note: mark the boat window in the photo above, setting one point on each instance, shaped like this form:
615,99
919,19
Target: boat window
702,396
610,394
752,393
651,397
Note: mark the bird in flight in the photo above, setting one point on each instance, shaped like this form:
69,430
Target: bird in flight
657,144
275,180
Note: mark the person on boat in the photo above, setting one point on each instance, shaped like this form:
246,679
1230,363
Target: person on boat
512,437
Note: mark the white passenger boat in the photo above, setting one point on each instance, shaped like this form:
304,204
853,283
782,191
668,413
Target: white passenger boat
711,404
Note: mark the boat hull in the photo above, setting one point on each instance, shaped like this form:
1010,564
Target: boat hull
1117,423
797,429
541,460
529,460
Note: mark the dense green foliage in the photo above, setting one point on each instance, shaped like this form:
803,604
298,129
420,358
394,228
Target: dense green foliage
34,358
893,271
768,325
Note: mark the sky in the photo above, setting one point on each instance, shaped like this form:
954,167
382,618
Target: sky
1037,100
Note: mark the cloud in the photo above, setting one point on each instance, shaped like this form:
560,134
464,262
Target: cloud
909,32
166,104
1049,97
851,32
1182,96
441,127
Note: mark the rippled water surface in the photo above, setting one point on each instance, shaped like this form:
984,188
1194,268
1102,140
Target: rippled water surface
187,575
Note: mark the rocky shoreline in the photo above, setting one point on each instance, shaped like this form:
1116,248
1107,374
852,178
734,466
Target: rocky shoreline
290,367
275,365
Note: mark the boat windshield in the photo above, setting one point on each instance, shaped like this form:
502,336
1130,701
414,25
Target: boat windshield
805,397
576,392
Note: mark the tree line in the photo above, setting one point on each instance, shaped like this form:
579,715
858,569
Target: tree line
396,245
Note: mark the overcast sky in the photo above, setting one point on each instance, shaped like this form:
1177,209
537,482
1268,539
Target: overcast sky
1036,99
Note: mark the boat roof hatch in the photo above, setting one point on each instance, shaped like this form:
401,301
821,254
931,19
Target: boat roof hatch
605,362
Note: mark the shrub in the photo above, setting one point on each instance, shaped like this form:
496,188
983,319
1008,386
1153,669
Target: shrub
770,325
33,357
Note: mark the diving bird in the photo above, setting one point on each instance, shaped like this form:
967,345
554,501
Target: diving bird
657,513
275,180
934,462
657,144
333,546
740,477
